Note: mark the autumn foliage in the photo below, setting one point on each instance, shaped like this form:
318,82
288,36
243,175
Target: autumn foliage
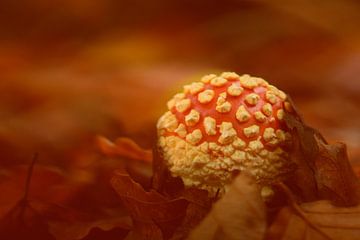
82,84
138,204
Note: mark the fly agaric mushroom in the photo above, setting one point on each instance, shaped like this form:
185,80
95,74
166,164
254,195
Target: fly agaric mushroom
224,124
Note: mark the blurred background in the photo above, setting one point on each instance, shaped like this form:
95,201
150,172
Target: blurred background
70,70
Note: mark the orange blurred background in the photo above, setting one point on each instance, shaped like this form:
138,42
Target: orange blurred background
70,70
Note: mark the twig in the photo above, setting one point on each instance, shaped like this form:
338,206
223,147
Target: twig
24,200
29,175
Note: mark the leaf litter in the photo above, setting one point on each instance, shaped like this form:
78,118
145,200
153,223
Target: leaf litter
323,193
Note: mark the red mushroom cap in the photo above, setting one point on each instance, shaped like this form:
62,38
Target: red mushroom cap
222,124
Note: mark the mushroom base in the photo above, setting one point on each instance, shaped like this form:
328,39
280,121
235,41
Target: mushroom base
211,167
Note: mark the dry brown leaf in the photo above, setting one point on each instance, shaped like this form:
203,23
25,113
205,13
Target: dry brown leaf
110,228
323,170
335,178
337,222
124,147
154,216
240,214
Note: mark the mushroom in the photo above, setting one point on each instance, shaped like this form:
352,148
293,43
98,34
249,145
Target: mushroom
225,124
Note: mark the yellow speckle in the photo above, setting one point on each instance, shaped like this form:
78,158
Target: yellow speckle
223,95
206,96
277,92
231,76
242,115
171,103
239,156
179,96
248,81
221,99
204,147
239,143
262,82
183,105
251,131
214,147
271,97
267,109
235,90
269,134
162,142
218,81
228,150
181,130
210,125
281,95
228,133
192,118
222,105
200,160
255,146
168,121
227,162
194,137
280,114
252,99
260,116
207,78
171,142
271,137
224,108
196,87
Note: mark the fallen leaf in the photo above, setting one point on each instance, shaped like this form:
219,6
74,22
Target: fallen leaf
59,222
113,234
323,170
240,214
23,222
124,147
339,223
199,206
44,212
335,178
33,219
154,215
134,160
